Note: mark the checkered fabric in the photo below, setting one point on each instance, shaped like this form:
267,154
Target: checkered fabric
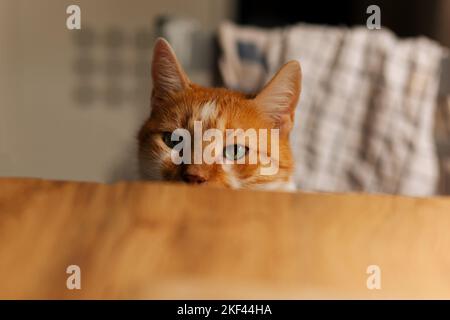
366,114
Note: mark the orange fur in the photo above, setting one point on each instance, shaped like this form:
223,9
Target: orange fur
176,103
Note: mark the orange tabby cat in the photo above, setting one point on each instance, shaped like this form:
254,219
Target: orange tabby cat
177,103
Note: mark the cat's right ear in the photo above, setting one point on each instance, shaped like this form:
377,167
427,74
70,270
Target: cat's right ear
167,74
279,98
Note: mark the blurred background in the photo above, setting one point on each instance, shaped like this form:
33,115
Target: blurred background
71,101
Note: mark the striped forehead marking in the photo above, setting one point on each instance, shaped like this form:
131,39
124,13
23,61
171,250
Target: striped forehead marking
208,111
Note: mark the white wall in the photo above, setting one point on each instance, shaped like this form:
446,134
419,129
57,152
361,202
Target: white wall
45,129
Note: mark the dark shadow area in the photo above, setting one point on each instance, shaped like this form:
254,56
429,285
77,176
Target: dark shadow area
406,18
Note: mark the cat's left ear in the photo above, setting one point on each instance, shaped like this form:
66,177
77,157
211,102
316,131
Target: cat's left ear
280,96
167,74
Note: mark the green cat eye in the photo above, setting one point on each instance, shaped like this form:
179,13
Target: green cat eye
235,151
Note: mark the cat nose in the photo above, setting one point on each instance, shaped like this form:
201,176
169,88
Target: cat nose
194,174
193,178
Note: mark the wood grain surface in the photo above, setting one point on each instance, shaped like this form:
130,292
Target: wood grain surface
166,241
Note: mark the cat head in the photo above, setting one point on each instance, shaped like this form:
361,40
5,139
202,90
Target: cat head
182,140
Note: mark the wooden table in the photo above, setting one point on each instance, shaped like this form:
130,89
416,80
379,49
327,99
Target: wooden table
155,240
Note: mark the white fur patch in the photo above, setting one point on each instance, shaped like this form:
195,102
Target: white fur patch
231,177
208,111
